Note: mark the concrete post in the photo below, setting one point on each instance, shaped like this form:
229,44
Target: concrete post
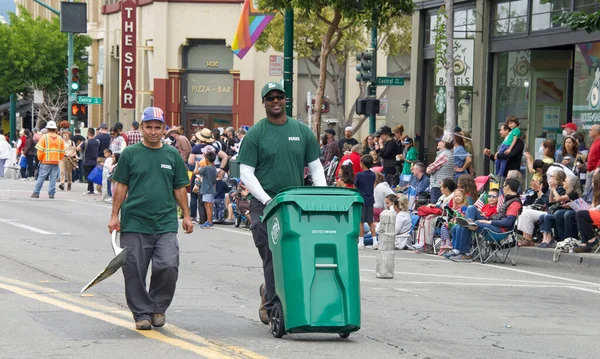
386,256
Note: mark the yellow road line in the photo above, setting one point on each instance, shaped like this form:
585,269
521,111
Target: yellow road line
210,349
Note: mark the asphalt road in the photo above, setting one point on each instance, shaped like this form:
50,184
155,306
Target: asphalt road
433,308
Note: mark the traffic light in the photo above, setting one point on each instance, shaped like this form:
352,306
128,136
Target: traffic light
364,66
74,78
79,112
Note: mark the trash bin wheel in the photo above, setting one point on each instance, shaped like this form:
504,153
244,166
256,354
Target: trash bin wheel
277,324
344,335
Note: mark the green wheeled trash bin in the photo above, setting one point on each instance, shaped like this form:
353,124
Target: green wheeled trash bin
313,235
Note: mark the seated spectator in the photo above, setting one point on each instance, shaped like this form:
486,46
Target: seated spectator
346,175
403,224
563,215
502,221
382,190
530,216
431,213
419,180
457,207
589,220
467,184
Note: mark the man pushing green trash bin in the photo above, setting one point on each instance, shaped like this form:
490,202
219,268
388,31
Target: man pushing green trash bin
273,156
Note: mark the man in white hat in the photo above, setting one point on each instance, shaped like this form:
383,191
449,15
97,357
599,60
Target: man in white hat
50,151
348,141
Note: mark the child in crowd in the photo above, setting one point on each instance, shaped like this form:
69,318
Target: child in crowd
489,209
105,171
513,135
365,183
458,206
208,175
507,145
111,172
346,176
221,189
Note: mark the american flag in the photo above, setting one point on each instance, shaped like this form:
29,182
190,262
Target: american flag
500,198
483,200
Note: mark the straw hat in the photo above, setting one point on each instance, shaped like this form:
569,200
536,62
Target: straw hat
205,136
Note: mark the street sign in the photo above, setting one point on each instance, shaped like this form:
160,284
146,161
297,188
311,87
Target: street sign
85,100
390,81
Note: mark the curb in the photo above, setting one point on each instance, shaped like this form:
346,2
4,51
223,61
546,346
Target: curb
587,261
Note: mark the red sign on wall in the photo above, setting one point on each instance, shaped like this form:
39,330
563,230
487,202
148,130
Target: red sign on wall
128,46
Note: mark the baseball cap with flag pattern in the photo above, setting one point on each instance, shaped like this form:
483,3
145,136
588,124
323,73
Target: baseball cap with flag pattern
153,114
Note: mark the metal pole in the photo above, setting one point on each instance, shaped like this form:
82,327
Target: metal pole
288,59
48,7
32,115
373,85
13,117
71,97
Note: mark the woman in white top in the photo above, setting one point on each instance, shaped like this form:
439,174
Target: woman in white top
382,189
117,144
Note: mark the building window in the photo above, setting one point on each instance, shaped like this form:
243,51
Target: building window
543,11
587,6
464,25
586,85
109,2
509,17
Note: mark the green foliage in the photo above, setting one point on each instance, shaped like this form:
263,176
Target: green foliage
440,42
577,20
35,51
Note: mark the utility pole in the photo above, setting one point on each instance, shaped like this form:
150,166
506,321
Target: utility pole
288,59
373,84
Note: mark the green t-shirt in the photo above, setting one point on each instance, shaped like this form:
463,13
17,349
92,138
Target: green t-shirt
279,153
411,156
152,175
515,132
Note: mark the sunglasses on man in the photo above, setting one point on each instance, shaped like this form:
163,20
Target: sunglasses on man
271,98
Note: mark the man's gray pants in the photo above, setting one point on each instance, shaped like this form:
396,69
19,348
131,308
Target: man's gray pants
163,250
261,241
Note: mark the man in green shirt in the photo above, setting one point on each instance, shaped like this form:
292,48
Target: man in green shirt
273,156
151,178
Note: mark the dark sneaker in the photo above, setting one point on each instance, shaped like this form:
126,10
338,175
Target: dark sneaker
143,324
69,187
51,196
35,195
158,319
61,186
262,312
466,223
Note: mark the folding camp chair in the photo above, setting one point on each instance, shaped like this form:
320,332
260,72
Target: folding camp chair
497,245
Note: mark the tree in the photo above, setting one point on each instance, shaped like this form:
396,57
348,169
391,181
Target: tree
35,51
394,38
55,100
337,17
578,20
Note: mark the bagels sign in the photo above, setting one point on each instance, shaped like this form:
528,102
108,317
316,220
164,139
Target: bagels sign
128,46
463,64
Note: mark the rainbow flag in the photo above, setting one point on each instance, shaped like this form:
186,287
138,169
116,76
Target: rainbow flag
251,25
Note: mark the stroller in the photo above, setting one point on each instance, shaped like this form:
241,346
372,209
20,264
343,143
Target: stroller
330,171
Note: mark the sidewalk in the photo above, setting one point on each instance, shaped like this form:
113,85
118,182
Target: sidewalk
574,261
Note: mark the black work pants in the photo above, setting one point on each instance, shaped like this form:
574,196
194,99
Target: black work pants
586,228
261,241
87,170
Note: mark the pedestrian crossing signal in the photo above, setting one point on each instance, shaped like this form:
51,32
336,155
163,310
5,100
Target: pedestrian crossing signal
79,111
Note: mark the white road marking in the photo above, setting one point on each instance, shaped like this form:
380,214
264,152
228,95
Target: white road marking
595,291
14,222
539,274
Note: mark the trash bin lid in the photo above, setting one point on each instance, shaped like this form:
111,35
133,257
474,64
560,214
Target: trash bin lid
338,199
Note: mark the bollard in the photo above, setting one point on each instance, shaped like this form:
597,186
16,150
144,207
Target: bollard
387,245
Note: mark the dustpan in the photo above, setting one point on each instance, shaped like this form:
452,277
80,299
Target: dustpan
113,266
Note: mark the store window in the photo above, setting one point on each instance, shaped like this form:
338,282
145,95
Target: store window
587,6
509,17
534,89
543,11
464,25
210,57
586,85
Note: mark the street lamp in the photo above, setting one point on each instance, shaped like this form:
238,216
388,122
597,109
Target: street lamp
405,106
